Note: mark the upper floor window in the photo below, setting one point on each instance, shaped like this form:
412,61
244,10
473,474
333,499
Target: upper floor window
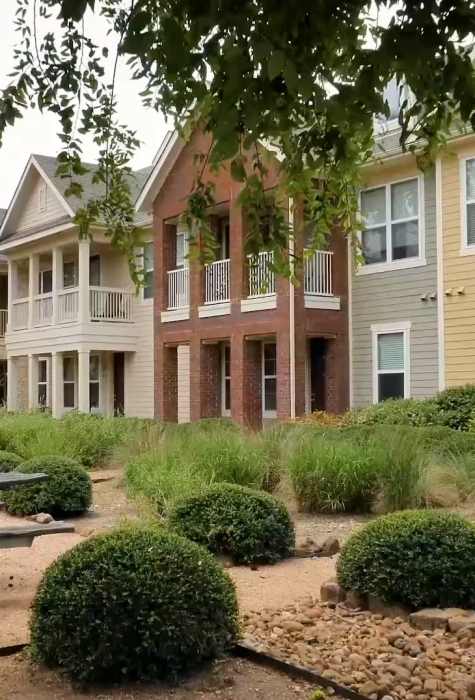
43,197
181,247
470,202
148,265
391,226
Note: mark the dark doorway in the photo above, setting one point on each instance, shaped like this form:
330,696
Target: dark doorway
119,399
318,374
3,382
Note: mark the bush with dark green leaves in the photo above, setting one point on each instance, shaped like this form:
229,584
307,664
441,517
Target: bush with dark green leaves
66,491
415,558
136,603
250,526
456,406
9,461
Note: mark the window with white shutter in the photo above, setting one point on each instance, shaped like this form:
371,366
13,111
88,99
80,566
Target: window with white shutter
470,202
391,372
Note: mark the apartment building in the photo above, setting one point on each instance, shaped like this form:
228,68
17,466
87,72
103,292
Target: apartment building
231,338
78,336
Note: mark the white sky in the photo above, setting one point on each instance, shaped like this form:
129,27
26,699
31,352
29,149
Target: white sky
36,132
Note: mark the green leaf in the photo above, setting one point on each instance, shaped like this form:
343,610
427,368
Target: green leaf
276,64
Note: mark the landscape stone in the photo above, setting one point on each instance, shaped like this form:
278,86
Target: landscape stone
380,607
332,592
329,547
429,619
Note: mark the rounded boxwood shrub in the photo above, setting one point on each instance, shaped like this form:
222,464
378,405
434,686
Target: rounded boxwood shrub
67,490
250,526
457,405
9,461
417,558
135,603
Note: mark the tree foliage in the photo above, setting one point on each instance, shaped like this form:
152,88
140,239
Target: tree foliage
304,77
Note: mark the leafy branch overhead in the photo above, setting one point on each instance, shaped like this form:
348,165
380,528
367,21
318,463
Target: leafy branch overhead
302,78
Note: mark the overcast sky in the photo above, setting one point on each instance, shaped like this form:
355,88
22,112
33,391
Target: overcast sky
36,132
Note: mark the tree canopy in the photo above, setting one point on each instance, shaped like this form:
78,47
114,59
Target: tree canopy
305,77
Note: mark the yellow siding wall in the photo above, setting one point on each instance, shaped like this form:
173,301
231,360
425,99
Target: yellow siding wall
459,271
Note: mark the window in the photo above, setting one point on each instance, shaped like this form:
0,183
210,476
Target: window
69,274
269,380
226,380
181,247
69,381
148,265
94,382
43,392
45,282
391,363
470,202
43,197
391,230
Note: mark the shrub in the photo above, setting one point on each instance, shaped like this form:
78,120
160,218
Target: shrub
9,461
416,558
66,491
400,462
247,525
134,603
457,405
415,412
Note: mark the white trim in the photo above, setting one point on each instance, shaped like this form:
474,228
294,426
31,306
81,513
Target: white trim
17,242
142,299
170,149
260,303
181,314
291,309
219,309
316,301
47,359
225,412
465,249
74,382
264,376
403,263
440,274
350,322
378,329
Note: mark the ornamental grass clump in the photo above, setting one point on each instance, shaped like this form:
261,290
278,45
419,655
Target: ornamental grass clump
249,526
414,558
136,603
67,491
9,461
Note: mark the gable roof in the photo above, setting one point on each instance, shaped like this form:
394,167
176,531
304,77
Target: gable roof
167,154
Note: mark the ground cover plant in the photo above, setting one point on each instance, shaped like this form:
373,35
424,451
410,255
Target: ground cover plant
248,525
417,558
9,461
139,602
67,490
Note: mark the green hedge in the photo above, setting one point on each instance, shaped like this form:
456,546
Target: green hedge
67,490
416,558
134,603
248,525
9,461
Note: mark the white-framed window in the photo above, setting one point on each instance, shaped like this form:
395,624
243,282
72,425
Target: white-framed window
468,203
69,381
225,379
391,361
181,247
43,197
269,379
45,281
70,277
148,270
94,383
392,217
43,383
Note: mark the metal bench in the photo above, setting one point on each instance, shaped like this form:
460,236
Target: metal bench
23,536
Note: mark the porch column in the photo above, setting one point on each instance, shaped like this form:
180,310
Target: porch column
32,382
11,384
11,270
32,287
84,250
57,279
57,400
83,381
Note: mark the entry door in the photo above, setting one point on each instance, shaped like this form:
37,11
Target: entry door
318,370
119,398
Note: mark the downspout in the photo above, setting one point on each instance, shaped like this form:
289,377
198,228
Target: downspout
291,309
440,274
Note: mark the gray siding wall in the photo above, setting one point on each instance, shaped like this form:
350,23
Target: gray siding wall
392,296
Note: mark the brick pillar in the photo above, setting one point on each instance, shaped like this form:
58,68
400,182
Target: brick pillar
237,378
166,394
252,384
283,374
195,378
165,242
337,375
210,388
237,237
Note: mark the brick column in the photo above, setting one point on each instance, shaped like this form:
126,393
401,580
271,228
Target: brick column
246,381
210,380
237,237
166,395
195,378
283,374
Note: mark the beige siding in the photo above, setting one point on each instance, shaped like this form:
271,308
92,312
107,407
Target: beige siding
139,371
31,216
183,363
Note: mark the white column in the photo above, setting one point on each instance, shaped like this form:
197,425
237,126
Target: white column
57,259
84,247
11,384
32,382
11,273
57,392
32,286
83,381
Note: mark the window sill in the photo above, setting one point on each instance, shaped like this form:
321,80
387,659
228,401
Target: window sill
393,266
467,250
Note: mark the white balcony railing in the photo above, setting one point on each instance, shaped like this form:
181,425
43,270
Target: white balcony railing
107,304
261,274
43,309
3,322
217,282
20,311
178,288
68,305
318,273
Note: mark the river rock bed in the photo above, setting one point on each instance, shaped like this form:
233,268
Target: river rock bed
382,658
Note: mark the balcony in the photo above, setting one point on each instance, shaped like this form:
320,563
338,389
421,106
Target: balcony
261,283
178,289
318,281
218,282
